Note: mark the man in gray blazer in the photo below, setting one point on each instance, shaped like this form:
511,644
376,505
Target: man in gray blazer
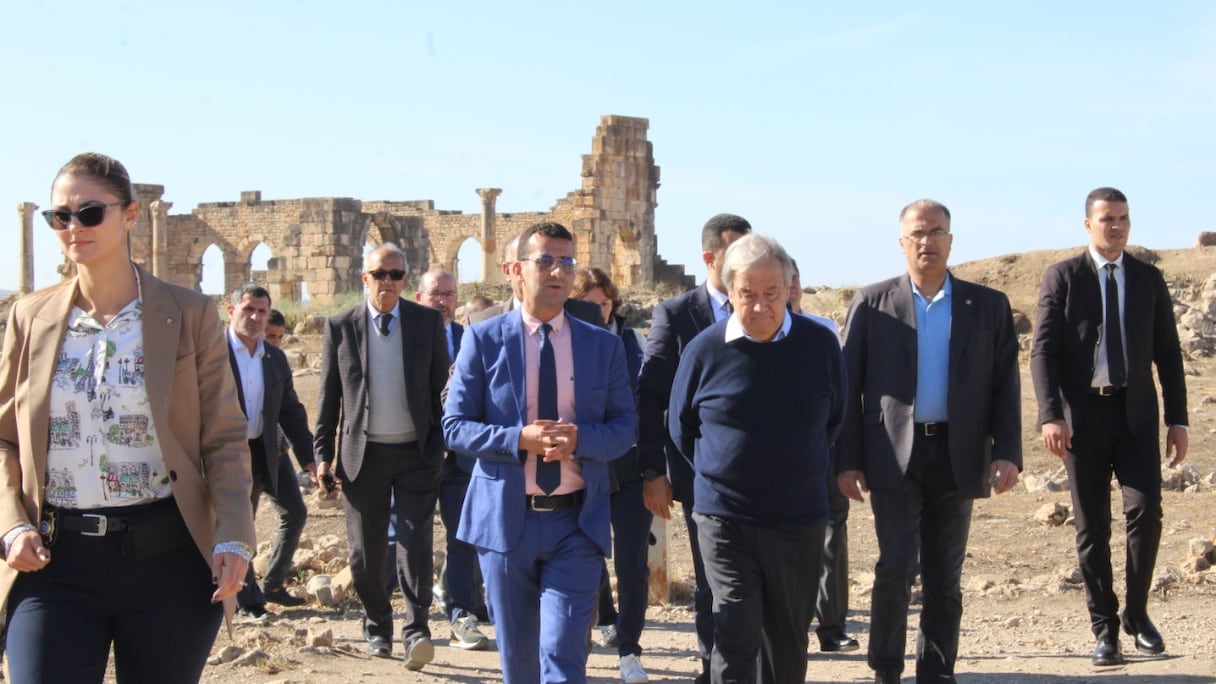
933,422
383,365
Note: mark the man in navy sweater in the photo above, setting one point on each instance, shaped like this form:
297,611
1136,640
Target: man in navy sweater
757,400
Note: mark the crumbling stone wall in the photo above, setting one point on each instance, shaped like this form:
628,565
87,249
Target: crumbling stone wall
318,243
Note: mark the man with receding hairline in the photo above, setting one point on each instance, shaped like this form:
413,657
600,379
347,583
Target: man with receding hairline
933,422
383,365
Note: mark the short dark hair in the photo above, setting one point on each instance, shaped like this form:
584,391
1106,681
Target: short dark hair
276,318
255,291
549,229
106,171
1103,195
711,234
921,205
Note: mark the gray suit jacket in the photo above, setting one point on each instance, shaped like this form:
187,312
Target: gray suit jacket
984,396
342,405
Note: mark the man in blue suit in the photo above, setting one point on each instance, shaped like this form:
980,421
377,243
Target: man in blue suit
542,400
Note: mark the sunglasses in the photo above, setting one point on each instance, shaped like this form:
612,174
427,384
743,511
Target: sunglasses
91,214
381,274
546,262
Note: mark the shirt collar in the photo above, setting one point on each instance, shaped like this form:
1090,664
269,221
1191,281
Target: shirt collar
532,323
946,290
79,320
734,329
718,298
373,311
1100,261
238,346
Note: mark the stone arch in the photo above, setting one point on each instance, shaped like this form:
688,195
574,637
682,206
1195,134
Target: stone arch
626,257
449,259
207,278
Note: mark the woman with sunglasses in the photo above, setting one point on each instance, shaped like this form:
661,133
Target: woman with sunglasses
124,467
630,519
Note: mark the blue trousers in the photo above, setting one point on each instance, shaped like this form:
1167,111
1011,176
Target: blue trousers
542,595
156,612
630,541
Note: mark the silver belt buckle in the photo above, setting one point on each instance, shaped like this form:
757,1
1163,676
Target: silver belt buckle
929,429
533,499
102,525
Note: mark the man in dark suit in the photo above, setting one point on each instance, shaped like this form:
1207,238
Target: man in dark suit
383,365
460,578
542,400
933,422
268,398
1104,319
578,308
666,474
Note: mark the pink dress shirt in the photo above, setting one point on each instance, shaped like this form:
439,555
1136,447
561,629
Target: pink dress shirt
563,355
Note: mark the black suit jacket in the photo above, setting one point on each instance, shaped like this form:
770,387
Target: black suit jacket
342,405
983,396
675,323
280,408
1068,327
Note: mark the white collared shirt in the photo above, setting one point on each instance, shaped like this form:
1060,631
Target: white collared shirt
252,378
734,329
720,303
1101,376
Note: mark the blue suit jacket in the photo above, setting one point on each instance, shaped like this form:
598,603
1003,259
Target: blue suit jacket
487,408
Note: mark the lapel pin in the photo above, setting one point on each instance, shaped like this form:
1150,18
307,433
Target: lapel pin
168,320
968,302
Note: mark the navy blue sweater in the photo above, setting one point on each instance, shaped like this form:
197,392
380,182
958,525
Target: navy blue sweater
756,421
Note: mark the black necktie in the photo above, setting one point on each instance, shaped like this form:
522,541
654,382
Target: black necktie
1114,331
548,473
382,322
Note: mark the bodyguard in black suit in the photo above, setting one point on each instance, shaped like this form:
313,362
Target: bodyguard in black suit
1098,409
933,422
666,473
383,366
270,383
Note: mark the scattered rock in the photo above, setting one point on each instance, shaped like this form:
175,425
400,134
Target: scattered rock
324,637
310,325
227,654
1053,514
254,658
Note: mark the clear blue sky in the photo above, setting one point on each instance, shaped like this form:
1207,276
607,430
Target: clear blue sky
815,120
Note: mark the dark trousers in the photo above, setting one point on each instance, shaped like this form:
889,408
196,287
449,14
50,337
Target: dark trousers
542,594
702,598
289,505
156,612
1102,445
762,601
461,572
832,603
927,509
398,472
630,542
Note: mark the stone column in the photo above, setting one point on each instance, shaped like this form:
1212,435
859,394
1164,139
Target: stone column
490,272
25,248
160,238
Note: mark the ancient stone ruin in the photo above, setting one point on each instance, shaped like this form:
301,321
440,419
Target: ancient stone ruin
318,243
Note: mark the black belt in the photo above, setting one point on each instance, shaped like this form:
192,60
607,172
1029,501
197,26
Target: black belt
542,503
101,524
1106,391
930,429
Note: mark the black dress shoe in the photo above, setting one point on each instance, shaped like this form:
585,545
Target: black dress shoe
281,597
837,641
1107,652
379,647
886,677
1148,639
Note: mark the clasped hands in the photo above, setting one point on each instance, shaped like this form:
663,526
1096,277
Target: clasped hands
554,440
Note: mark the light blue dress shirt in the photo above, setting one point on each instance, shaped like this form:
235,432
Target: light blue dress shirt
932,353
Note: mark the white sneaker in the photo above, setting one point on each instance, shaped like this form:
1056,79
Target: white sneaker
631,670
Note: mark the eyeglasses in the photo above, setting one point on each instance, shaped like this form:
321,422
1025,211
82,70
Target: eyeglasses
91,214
546,262
934,235
445,294
381,274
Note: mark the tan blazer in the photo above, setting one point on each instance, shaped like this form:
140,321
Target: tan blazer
191,394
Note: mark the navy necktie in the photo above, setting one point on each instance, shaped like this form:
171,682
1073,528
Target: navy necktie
382,322
548,473
1114,331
